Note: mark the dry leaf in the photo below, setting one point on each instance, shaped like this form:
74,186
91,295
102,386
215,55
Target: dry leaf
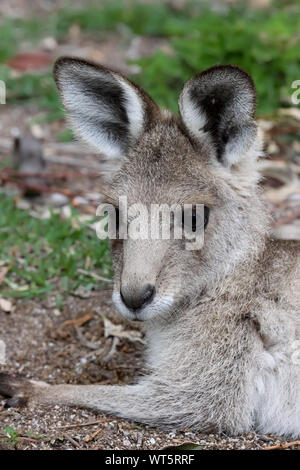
5,305
110,329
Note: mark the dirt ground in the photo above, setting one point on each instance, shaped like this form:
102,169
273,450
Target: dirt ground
70,346
42,345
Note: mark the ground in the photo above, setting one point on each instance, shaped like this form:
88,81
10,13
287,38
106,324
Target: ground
41,345
81,339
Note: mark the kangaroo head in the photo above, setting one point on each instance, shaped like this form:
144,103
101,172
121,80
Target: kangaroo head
207,155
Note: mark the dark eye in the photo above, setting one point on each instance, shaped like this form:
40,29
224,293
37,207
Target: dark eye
117,219
206,216
194,219
192,223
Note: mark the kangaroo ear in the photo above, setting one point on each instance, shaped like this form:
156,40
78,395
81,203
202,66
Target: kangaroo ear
219,105
105,109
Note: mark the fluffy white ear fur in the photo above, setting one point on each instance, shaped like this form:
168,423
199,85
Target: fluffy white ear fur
193,116
105,109
218,106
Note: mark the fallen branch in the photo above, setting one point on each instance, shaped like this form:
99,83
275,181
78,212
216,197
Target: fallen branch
94,275
29,439
78,321
70,439
285,445
92,436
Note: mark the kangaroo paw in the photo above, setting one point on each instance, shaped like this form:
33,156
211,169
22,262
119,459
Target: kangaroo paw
17,389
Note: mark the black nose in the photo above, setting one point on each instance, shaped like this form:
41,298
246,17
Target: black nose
138,296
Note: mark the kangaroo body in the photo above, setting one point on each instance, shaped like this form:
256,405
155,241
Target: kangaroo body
223,322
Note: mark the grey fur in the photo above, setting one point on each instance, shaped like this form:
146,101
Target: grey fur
224,326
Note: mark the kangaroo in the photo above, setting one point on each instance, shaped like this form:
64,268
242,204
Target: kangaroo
222,322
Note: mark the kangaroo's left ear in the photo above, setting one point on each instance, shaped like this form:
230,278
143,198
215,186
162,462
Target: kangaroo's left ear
105,109
219,105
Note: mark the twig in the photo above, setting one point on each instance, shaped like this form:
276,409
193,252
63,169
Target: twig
112,350
95,352
78,321
69,438
92,436
29,439
84,341
283,446
80,425
93,275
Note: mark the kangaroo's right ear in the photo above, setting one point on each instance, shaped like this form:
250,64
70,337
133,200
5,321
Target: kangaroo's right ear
218,106
105,108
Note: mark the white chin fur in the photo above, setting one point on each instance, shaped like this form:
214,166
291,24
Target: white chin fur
159,306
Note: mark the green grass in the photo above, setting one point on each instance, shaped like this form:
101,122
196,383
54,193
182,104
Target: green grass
66,135
38,88
264,45
263,42
11,434
44,255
